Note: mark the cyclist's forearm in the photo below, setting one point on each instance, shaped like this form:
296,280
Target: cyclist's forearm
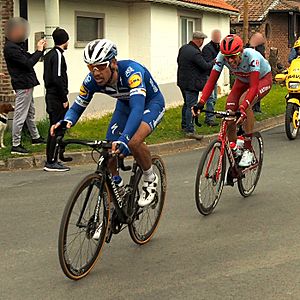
135,117
74,113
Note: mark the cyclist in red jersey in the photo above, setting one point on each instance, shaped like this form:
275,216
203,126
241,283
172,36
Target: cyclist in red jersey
253,82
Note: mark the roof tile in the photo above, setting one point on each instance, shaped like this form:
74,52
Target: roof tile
222,4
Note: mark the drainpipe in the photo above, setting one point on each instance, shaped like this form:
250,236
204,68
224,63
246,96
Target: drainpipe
51,20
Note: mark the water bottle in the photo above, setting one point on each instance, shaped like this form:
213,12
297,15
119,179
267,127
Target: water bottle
118,181
233,149
240,145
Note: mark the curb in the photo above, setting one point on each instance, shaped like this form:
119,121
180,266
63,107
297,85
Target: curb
37,161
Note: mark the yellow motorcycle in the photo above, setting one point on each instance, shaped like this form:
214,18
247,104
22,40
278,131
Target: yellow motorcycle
291,77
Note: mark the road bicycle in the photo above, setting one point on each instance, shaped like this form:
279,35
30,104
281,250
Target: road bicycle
212,172
96,205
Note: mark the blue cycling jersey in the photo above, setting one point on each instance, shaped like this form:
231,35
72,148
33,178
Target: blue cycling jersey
135,88
252,61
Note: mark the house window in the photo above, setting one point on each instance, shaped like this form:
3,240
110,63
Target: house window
268,31
89,26
187,27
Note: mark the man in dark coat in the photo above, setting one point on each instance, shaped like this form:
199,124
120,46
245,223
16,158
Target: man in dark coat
191,78
56,84
20,65
210,52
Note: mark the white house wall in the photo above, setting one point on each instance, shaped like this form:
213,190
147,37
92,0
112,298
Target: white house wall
148,33
209,23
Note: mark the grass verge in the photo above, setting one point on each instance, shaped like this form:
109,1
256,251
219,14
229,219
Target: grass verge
169,129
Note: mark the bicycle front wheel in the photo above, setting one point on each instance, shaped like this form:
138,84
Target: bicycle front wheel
248,181
84,226
291,120
146,219
210,178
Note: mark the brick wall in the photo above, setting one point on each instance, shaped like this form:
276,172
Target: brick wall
6,12
278,34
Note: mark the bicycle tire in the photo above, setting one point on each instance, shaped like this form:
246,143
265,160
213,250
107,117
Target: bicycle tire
88,182
290,130
246,192
206,210
142,238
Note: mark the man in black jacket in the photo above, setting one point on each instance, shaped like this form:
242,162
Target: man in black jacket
20,65
191,78
56,84
210,52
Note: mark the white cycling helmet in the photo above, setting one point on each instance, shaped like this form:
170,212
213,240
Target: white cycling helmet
99,51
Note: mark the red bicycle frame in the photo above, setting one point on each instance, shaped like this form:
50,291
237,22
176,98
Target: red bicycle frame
225,146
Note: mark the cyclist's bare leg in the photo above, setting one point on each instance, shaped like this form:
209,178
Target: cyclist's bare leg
139,149
231,131
112,166
249,123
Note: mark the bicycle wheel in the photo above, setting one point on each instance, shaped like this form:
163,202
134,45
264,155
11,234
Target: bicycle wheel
146,219
249,180
86,211
291,120
210,178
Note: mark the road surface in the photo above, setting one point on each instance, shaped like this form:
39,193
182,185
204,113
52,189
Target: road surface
247,249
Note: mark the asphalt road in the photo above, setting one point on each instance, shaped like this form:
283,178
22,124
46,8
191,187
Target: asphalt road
247,249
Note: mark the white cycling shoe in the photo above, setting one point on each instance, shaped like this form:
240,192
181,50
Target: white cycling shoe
149,192
246,159
97,233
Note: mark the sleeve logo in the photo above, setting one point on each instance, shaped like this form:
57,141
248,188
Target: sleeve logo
134,81
83,91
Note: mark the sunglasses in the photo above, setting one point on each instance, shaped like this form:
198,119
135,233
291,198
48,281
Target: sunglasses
98,67
227,57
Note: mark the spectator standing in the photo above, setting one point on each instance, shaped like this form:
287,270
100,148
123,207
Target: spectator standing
20,65
257,42
191,78
294,53
210,52
56,84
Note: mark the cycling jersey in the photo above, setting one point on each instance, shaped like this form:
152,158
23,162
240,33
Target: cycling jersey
252,68
135,87
252,61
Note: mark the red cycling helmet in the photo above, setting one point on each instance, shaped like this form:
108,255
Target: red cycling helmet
232,44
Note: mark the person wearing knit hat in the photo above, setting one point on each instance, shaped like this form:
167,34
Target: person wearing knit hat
56,85
60,38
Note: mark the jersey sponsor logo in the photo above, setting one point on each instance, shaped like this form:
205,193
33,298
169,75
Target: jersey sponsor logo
81,102
138,91
134,80
155,88
128,71
218,63
254,63
242,74
114,128
83,91
88,79
264,89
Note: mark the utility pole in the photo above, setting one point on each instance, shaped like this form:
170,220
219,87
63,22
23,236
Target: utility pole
246,22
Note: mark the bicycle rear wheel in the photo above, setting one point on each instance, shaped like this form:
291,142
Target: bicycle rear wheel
210,178
146,219
249,180
86,211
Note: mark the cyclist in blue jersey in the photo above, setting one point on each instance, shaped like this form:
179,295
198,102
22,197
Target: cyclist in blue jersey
139,109
253,82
